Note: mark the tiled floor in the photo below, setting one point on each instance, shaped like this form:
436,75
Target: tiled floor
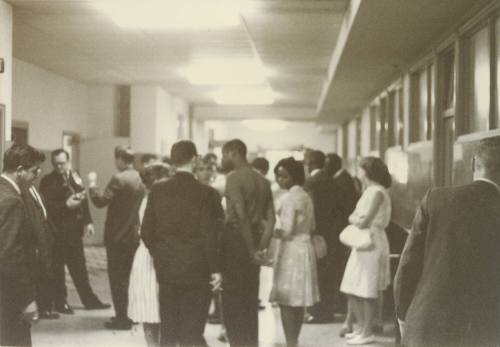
85,328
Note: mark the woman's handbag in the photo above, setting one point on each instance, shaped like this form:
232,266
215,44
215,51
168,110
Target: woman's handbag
319,245
357,238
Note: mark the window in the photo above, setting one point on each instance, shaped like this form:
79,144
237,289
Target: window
449,80
400,119
358,136
421,124
392,119
479,99
374,127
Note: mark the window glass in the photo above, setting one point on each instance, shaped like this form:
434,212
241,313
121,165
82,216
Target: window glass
422,105
374,127
480,81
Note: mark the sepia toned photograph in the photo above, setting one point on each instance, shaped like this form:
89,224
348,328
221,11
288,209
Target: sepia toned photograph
250,173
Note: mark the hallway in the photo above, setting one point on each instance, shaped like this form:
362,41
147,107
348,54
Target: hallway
85,328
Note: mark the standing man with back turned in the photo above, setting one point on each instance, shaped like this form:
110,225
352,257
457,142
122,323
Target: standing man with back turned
249,225
447,287
180,229
123,196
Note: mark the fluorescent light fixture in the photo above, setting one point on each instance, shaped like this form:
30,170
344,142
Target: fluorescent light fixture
265,125
226,72
244,96
171,14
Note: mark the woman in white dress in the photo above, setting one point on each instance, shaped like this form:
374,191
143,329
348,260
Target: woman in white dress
295,283
143,302
367,272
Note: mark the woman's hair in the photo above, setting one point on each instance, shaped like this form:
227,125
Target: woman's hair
294,168
376,170
154,172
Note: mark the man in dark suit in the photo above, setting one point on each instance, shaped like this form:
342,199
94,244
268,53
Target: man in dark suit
17,245
249,225
180,228
123,196
346,197
44,233
325,197
67,208
447,287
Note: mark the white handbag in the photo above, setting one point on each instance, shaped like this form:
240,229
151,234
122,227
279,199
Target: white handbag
357,238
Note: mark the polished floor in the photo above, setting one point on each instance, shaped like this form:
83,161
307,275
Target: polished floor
85,328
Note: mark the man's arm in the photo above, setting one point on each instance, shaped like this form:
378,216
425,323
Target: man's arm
211,221
269,222
411,263
102,199
11,217
52,197
235,198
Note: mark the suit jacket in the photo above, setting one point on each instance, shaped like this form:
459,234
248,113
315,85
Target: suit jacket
347,197
17,244
447,287
325,196
123,196
43,230
180,228
55,190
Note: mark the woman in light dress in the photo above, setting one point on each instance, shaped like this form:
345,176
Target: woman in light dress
295,284
367,272
143,302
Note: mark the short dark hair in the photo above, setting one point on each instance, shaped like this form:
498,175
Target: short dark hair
183,152
148,157
488,152
294,168
317,158
154,172
58,151
124,153
21,155
334,162
210,156
235,145
376,170
261,164
166,159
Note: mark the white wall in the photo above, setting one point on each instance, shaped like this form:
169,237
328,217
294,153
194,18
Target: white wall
50,104
365,132
6,54
296,134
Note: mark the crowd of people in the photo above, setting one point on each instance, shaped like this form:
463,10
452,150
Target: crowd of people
185,231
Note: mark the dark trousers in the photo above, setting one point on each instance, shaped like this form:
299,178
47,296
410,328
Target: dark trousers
68,251
327,278
120,258
44,286
183,312
240,293
14,330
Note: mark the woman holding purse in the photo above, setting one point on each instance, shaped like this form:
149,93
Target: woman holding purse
295,284
367,272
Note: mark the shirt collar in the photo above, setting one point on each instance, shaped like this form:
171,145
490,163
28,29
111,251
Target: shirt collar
295,188
184,170
14,184
315,172
338,173
488,181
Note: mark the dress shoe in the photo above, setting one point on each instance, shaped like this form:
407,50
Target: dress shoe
98,305
361,340
352,335
63,308
310,319
118,325
344,331
46,314
212,319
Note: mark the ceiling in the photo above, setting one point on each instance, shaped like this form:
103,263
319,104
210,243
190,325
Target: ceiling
385,38
294,39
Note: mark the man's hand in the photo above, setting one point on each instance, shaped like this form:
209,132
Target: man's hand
92,178
216,282
260,258
74,201
89,230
